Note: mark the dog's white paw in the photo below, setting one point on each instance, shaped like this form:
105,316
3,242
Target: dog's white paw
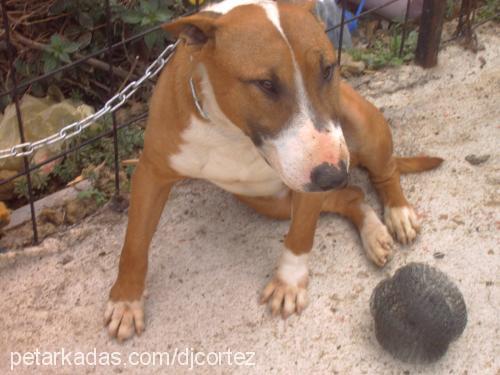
402,222
376,239
123,318
285,298
287,291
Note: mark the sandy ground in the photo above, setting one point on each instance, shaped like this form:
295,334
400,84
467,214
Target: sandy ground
211,256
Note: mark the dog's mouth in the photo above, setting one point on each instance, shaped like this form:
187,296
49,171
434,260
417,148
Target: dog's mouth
308,177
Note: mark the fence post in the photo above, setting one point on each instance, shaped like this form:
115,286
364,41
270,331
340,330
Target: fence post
341,34
464,30
11,55
429,36
405,29
109,30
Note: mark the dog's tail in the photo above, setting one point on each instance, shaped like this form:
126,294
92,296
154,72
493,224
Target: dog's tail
417,164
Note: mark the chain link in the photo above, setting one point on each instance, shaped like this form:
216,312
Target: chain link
75,128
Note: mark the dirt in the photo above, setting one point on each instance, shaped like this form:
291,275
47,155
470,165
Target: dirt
211,256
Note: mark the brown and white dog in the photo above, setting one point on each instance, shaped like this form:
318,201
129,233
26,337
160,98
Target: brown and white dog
252,101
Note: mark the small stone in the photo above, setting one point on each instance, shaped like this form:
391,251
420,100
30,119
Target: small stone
52,245
477,159
77,209
438,255
362,275
52,215
66,259
482,62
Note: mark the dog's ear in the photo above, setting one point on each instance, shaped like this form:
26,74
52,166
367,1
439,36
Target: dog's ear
310,6
195,29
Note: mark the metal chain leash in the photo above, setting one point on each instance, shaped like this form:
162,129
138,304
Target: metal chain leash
75,128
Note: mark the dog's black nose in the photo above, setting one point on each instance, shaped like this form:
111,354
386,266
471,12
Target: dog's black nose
327,176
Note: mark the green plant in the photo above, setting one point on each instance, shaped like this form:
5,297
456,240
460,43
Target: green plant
66,170
490,9
58,52
57,33
130,139
39,183
450,8
386,52
85,160
130,171
50,34
147,14
92,193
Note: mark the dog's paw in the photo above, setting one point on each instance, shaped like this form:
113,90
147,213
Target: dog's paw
124,318
287,291
285,298
376,239
402,222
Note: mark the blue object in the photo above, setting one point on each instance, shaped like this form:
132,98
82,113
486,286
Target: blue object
331,13
353,25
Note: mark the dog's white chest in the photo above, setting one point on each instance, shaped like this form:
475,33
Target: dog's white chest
225,156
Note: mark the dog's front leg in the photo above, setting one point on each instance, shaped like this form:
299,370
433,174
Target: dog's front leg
150,190
371,145
287,291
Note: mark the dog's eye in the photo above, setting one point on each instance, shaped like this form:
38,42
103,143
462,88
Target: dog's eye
328,72
267,86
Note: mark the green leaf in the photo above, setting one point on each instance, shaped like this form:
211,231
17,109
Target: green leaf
58,7
55,41
147,6
132,17
49,63
164,15
151,39
71,47
409,56
85,20
64,57
396,61
72,30
85,39
155,4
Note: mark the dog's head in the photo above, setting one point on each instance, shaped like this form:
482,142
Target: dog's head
270,70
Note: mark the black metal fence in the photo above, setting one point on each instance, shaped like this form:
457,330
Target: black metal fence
17,88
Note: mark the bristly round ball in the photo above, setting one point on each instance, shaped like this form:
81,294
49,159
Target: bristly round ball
417,313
